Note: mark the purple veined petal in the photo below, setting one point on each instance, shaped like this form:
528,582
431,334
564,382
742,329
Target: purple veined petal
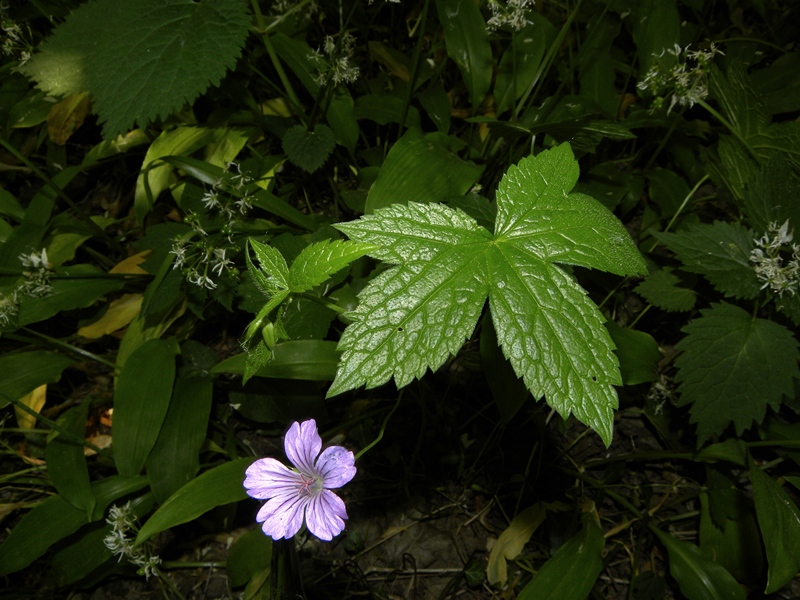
325,515
302,444
267,477
282,516
336,466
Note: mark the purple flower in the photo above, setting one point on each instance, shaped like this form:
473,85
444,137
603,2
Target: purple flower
305,490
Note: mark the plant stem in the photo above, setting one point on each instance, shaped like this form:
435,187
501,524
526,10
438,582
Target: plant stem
383,428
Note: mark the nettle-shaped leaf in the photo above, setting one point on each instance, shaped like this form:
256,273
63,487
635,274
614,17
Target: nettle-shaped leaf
720,252
276,280
733,366
308,149
413,316
140,59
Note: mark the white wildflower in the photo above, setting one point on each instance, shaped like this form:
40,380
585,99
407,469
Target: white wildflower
512,13
773,271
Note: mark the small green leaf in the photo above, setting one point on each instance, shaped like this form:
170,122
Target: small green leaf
779,520
661,289
320,260
572,572
23,372
438,173
511,542
217,486
638,354
148,59
720,252
733,366
273,263
174,460
308,149
66,462
698,577
141,401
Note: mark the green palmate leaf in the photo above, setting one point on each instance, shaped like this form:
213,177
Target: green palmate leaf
218,486
319,261
779,520
308,149
141,401
412,317
720,252
732,367
661,289
698,577
148,58
571,573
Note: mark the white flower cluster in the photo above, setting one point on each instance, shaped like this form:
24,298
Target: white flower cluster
685,82
338,67
777,275
35,285
14,42
209,255
511,13
122,521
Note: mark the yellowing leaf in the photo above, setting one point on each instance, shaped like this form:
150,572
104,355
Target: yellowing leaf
512,541
391,59
276,107
66,117
120,312
130,266
34,400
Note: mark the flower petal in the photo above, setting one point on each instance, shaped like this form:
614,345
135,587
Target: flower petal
267,477
336,466
302,444
325,514
282,516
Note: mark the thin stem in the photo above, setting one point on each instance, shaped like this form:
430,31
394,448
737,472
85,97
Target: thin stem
691,193
728,125
383,428
67,347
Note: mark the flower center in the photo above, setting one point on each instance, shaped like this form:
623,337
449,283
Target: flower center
309,485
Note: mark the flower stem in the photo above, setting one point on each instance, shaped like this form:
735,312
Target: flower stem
383,428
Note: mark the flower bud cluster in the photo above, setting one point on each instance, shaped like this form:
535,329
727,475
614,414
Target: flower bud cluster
335,65
201,255
776,273
123,523
36,284
512,13
15,43
683,78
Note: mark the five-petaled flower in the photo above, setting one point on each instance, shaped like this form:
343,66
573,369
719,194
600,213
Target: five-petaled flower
304,491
